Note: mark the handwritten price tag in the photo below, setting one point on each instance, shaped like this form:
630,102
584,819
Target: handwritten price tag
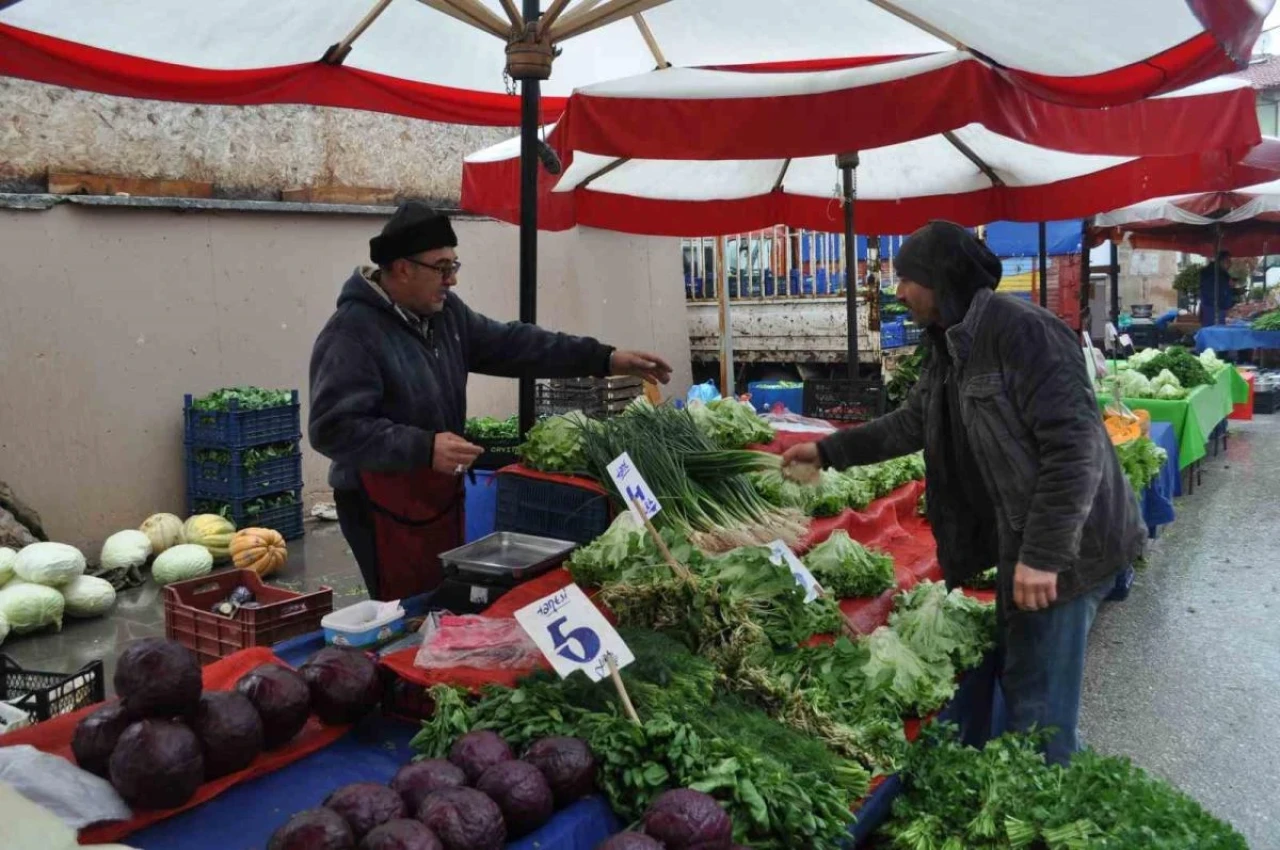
633,488
573,634
783,556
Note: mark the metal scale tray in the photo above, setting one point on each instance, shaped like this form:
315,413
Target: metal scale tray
505,558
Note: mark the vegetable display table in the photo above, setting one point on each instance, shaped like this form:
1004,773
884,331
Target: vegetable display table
1194,417
372,751
1157,501
1235,338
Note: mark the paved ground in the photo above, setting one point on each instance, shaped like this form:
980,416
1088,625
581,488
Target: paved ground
1184,676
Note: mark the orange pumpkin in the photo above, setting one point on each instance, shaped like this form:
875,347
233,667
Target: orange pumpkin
259,549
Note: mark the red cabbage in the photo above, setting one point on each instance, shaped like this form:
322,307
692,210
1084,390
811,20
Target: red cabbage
630,841
464,819
230,732
685,819
416,780
157,764
344,684
568,765
476,752
313,829
521,792
158,678
401,834
96,735
365,805
282,700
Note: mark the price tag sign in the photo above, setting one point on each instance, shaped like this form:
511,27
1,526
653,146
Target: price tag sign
1126,340
573,634
633,488
783,556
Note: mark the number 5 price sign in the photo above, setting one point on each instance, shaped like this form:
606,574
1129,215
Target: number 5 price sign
574,635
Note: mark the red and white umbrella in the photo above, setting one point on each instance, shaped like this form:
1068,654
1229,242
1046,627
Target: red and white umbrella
444,59
971,175
1244,221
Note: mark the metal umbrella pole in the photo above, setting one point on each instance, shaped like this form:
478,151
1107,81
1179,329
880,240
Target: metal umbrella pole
1044,267
848,163
1217,272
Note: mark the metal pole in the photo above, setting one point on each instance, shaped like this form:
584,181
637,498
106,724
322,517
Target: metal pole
847,163
1114,272
1217,273
1044,267
726,324
1086,317
530,92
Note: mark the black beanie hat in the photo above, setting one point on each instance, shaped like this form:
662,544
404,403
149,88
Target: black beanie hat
950,260
414,228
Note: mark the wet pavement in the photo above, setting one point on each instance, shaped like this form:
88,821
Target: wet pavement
1184,676
321,558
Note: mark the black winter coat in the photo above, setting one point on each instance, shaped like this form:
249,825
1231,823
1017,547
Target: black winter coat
381,389
1062,502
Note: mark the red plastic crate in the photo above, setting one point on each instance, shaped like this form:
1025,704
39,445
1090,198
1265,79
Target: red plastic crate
189,618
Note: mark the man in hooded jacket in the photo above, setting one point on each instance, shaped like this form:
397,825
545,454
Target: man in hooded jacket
1020,472
389,397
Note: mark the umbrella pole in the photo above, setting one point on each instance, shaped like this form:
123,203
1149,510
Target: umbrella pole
1044,267
530,92
1114,272
848,162
1217,272
726,321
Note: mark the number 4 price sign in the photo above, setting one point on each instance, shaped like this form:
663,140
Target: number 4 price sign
574,635
643,504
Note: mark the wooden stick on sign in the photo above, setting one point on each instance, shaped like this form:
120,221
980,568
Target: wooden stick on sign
622,689
679,568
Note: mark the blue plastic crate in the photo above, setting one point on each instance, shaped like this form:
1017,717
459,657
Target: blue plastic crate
481,506
892,334
238,429
911,333
286,519
232,478
550,509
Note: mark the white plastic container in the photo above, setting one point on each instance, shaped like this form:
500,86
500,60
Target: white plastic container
363,624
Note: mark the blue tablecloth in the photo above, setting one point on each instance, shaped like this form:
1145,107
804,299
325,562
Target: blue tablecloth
244,817
1235,338
1157,502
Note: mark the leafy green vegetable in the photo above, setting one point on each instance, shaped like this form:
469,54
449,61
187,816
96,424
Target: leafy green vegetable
847,569
555,444
491,429
731,424
918,686
985,580
252,508
906,376
251,459
1180,362
1005,796
246,398
941,625
605,557
1267,321
1142,461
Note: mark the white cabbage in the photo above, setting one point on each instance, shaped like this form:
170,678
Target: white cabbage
125,550
29,607
182,562
88,596
7,559
50,564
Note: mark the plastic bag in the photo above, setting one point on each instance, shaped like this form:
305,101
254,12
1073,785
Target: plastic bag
486,643
703,392
795,422
74,796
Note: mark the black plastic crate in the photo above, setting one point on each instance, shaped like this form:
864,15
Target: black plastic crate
238,429
557,401
247,513
497,454
550,509
843,400
47,695
232,476
1266,402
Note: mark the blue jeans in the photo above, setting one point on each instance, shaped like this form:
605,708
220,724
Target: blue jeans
1043,667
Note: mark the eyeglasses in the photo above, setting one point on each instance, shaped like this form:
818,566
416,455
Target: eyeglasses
445,268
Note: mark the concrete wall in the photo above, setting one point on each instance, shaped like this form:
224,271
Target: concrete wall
108,316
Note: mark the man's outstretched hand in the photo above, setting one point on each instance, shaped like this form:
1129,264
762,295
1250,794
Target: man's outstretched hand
640,364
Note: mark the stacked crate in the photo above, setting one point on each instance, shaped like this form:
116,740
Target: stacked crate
596,397
246,465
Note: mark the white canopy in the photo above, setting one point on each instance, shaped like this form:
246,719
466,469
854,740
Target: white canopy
444,59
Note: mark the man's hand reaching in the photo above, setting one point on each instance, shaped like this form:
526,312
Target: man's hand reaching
802,463
453,455
640,364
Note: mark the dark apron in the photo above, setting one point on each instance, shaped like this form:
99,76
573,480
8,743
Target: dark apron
416,517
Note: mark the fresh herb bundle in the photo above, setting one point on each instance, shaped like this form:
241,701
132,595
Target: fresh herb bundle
1142,461
846,568
246,398
491,429
731,424
251,459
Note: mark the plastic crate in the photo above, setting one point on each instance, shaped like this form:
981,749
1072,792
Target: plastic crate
843,400
550,509
238,429
553,401
189,618
46,695
286,519
232,478
911,333
893,334
497,454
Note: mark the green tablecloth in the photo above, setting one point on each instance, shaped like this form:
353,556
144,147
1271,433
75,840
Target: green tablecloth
1194,417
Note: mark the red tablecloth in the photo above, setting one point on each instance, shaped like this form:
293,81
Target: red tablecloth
54,736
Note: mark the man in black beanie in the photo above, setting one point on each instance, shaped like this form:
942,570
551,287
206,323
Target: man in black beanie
389,396
1020,472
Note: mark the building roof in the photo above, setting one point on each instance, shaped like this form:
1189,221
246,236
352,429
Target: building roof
1263,74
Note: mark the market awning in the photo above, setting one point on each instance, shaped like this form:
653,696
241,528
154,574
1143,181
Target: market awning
1244,221
444,59
971,176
